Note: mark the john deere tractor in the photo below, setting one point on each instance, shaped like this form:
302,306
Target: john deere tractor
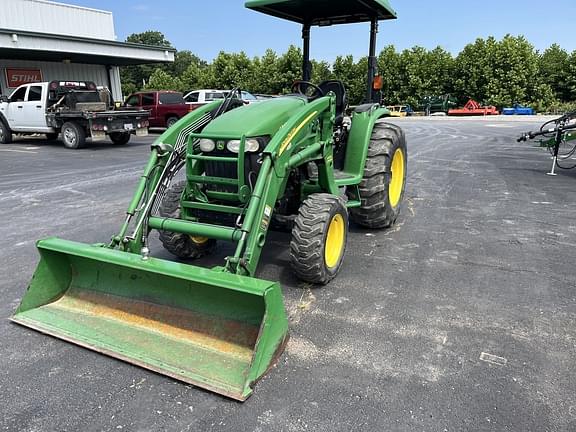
301,162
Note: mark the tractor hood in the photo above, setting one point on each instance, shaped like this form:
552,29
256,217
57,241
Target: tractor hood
256,119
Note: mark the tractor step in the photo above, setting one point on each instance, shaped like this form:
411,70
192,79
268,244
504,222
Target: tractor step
343,178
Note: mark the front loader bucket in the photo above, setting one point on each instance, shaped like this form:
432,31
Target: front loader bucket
215,330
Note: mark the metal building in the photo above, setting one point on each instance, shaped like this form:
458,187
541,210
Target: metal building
42,40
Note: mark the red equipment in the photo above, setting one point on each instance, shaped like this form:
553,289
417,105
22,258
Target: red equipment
473,108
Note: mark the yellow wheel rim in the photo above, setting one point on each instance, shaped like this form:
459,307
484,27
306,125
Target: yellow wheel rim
199,240
397,181
334,241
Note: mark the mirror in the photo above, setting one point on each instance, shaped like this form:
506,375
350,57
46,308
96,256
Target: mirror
4,99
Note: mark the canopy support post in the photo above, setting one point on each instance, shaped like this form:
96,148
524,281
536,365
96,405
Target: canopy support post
372,95
306,64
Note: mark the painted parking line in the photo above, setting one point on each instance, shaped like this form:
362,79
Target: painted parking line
18,151
491,358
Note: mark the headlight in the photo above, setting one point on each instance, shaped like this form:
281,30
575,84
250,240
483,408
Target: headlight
251,146
207,145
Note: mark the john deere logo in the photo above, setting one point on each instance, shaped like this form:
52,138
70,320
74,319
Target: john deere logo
220,145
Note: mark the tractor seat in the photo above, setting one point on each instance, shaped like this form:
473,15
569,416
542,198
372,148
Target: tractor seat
337,87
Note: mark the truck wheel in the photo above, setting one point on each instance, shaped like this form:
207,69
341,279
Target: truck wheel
51,136
171,121
73,135
319,238
181,245
5,133
382,187
120,138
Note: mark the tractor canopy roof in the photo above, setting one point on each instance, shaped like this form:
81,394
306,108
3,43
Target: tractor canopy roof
325,12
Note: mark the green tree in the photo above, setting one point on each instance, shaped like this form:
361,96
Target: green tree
499,72
162,80
389,67
230,70
321,71
554,70
571,81
441,68
543,98
196,76
289,68
150,37
353,75
423,73
473,69
136,77
183,60
266,74
515,71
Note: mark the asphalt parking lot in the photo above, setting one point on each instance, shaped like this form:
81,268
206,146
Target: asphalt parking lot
460,318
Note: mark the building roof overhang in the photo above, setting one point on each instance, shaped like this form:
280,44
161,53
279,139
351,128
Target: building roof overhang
25,45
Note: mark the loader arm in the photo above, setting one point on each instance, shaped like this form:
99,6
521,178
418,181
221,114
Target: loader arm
166,159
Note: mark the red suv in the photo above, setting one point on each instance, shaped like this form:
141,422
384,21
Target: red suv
166,107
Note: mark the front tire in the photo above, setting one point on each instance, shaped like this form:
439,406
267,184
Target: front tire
382,187
73,135
181,245
120,138
5,133
171,121
319,238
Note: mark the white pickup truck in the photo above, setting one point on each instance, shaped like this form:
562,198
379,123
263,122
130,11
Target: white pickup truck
74,109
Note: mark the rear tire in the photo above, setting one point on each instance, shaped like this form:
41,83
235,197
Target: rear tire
171,121
5,133
181,245
382,187
319,238
73,135
120,138
51,136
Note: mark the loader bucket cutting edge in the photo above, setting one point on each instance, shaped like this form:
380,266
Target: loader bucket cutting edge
215,330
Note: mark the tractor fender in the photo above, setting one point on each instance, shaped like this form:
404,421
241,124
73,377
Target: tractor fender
363,120
366,107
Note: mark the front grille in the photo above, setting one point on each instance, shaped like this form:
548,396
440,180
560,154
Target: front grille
230,170
221,169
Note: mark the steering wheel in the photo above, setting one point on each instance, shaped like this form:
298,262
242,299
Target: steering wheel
297,88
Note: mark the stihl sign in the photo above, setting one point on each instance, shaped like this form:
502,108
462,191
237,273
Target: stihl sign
17,77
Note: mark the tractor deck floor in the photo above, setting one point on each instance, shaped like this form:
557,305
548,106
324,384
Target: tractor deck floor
460,318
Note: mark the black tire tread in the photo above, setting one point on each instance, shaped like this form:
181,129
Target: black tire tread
120,138
7,138
171,119
375,211
308,237
80,135
179,244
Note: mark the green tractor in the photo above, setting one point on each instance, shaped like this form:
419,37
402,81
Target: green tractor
299,161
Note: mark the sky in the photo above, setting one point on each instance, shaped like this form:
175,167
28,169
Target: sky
208,27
